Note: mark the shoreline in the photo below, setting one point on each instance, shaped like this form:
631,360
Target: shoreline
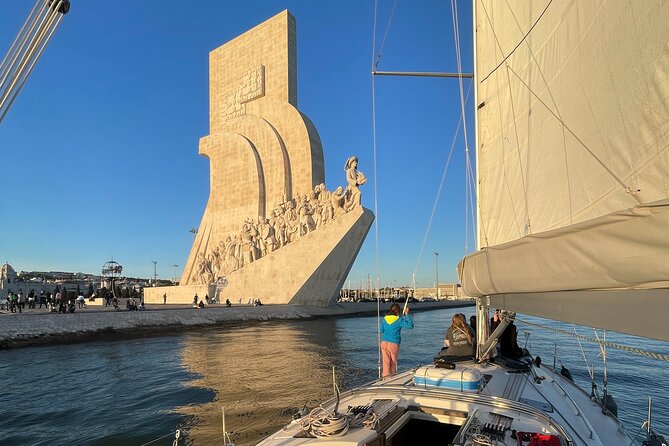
37,327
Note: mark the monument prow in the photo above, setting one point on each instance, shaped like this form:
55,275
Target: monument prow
308,271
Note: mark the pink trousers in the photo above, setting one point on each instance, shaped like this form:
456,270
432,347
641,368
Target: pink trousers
389,353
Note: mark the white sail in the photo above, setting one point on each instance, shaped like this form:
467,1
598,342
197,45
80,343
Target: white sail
572,146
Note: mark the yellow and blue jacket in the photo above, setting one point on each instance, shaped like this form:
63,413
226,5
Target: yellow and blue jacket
391,327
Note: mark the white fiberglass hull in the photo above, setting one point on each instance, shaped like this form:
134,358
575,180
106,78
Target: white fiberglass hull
429,405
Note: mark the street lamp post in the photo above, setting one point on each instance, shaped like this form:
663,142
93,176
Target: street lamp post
155,274
436,257
175,273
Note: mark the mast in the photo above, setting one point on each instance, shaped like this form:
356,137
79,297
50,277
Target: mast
482,313
476,128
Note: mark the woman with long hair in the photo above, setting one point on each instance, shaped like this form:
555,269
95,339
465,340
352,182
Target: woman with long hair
459,338
391,329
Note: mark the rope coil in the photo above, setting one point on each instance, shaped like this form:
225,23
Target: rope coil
324,424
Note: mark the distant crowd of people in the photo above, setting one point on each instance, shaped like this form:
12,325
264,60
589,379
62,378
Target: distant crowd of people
201,303
56,303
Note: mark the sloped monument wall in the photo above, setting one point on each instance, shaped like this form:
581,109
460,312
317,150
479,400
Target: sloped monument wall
269,228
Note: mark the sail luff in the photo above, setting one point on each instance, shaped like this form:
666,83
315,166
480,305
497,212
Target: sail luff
476,131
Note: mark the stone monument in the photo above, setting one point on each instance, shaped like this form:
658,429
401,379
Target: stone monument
270,228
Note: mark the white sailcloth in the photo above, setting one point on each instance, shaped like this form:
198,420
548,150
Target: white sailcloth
572,146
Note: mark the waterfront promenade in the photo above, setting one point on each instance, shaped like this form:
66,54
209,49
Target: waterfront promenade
38,327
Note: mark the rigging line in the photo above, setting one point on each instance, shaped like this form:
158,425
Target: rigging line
378,333
602,349
376,207
171,434
456,41
376,9
472,187
376,202
441,185
466,204
20,38
385,36
643,426
627,188
456,32
519,43
592,375
636,351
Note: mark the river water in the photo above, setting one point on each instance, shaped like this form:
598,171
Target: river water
133,391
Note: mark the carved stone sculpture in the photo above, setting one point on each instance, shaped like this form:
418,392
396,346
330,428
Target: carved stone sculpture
354,180
267,183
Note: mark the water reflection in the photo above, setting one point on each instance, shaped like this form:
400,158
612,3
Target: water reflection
261,375
132,391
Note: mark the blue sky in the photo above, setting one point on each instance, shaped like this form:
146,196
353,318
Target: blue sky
99,151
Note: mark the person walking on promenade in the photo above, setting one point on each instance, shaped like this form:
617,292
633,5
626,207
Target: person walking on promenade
391,328
42,299
50,302
22,300
13,302
164,298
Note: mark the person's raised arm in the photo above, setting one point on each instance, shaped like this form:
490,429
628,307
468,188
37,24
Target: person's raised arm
407,321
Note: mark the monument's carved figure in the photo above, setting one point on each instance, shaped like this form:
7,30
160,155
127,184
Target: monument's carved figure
259,238
270,228
354,179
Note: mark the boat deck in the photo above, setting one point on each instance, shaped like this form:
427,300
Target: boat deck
468,405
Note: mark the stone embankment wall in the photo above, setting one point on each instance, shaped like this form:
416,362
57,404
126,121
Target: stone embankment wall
21,330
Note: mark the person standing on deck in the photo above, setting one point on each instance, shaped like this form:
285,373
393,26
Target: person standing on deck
391,328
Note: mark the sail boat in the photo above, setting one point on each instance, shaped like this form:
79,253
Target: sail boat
572,127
